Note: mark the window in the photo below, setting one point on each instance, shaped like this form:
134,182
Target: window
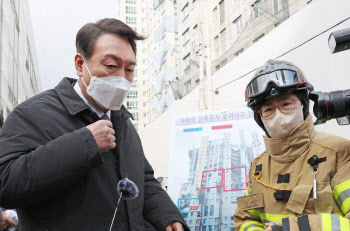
144,115
206,211
131,1
195,32
222,11
29,58
136,126
13,28
131,105
258,38
132,95
188,86
223,63
239,52
130,10
216,43
237,26
144,104
134,84
215,15
135,115
211,211
186,63
258,9
223,41
281,9
186,39
185,14
130,20
233,1
280,5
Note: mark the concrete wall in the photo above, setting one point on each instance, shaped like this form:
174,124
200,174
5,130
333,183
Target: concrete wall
325,71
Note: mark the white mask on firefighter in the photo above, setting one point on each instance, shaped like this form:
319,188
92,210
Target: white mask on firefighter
281,124
108,92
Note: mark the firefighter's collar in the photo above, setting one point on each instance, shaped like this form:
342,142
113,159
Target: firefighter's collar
290,148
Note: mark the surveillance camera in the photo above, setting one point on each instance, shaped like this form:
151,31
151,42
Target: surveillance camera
216,92
339,40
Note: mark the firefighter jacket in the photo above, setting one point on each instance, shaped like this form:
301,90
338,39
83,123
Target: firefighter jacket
281,183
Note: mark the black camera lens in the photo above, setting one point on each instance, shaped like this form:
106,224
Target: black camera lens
330,105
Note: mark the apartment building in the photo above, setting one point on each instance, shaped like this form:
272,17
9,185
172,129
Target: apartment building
19,74
234,25
157,65
132,12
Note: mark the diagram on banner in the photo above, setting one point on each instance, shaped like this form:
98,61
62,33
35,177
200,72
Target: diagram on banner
210,160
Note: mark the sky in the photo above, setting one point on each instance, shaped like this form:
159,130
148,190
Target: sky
55,24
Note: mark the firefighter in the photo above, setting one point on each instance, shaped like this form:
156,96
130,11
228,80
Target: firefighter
302,180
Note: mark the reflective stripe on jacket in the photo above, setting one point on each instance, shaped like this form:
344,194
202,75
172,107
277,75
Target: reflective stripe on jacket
284,165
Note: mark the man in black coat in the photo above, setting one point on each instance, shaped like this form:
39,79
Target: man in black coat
63,151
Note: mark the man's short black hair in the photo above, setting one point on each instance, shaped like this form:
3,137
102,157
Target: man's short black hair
1,121
90,32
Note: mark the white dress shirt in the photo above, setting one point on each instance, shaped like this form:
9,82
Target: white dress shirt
98,112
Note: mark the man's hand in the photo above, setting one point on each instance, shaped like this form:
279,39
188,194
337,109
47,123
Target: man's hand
174,226
6,222
103,133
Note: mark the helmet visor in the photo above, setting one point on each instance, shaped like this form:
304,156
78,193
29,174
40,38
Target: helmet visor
281,78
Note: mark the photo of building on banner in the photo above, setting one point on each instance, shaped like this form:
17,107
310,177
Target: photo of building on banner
209,164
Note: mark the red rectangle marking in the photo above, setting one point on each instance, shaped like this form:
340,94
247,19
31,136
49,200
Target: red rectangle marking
221,127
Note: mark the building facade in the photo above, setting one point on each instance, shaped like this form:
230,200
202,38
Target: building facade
157,65
187,41
19,75
161,55
233,33
234,25
132,13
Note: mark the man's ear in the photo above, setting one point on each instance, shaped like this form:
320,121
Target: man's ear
79,61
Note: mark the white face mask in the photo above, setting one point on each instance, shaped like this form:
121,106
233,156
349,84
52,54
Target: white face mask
281,124
108,92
